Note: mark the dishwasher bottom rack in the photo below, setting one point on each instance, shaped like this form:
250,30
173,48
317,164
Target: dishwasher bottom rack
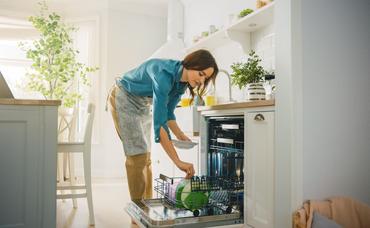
157,213
202,195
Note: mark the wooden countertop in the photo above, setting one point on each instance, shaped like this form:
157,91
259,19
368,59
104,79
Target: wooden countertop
247,104
4,101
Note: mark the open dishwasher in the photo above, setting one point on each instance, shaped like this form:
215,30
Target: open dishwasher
224,205
223,184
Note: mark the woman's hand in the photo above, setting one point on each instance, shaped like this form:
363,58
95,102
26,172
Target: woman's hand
186,167
181,136
170,150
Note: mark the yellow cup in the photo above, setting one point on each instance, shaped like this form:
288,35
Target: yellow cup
210,100
185,102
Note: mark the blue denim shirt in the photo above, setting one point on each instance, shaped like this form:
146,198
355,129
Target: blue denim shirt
160,79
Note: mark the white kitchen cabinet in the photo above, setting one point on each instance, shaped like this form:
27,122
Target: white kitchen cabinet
162,164
187,118
259,158
28,156
188,155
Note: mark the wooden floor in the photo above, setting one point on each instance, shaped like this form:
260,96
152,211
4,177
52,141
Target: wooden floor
109,198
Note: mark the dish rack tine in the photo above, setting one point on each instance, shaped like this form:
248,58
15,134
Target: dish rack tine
223,192
166,178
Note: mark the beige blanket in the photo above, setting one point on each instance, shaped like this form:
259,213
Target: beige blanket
345,211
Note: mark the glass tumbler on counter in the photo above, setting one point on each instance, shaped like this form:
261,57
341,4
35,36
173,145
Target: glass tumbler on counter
211,95
210,100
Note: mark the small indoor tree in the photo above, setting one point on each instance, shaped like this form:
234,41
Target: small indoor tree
55,69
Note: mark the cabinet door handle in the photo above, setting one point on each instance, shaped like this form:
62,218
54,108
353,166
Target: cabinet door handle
259,117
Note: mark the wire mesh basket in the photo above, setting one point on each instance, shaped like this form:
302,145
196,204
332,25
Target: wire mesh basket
203,195
225,158
221,146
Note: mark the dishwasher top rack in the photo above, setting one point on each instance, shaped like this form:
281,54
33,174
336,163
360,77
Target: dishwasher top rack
217,145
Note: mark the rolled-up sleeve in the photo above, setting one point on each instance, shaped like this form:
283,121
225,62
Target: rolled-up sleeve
162,85
171,107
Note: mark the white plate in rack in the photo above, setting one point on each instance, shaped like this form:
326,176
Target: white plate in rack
183,144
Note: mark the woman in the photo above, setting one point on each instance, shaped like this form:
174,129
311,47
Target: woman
159,82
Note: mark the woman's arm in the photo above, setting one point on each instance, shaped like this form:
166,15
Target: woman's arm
172,124
170,150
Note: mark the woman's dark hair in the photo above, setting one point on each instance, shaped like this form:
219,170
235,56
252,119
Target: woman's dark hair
200,60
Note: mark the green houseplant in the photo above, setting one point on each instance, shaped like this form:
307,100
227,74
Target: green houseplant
55,69
245,12
250,74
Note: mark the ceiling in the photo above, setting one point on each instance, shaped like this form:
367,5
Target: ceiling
154,7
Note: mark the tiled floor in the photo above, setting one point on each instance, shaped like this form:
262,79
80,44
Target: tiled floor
109,198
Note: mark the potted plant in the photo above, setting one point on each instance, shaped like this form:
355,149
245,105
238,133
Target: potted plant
55,69
251,75
245,12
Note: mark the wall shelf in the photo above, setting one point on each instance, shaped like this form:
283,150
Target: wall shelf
255,21
210,42
239,31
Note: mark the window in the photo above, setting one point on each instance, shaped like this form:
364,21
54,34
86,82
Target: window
86,40
14,64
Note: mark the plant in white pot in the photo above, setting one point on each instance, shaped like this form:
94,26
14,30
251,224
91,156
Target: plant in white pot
250,75
55,70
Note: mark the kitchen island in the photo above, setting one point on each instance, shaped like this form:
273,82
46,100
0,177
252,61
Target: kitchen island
28,158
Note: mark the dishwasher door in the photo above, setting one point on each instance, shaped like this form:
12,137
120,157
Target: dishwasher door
158,213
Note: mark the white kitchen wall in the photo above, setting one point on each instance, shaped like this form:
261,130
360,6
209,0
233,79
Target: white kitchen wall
263,42
322,107
126,34
336,98
129,38
199,15
287,114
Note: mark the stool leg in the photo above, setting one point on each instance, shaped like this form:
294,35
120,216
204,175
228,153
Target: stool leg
87,174
72,176
60,165
58,171
65,164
